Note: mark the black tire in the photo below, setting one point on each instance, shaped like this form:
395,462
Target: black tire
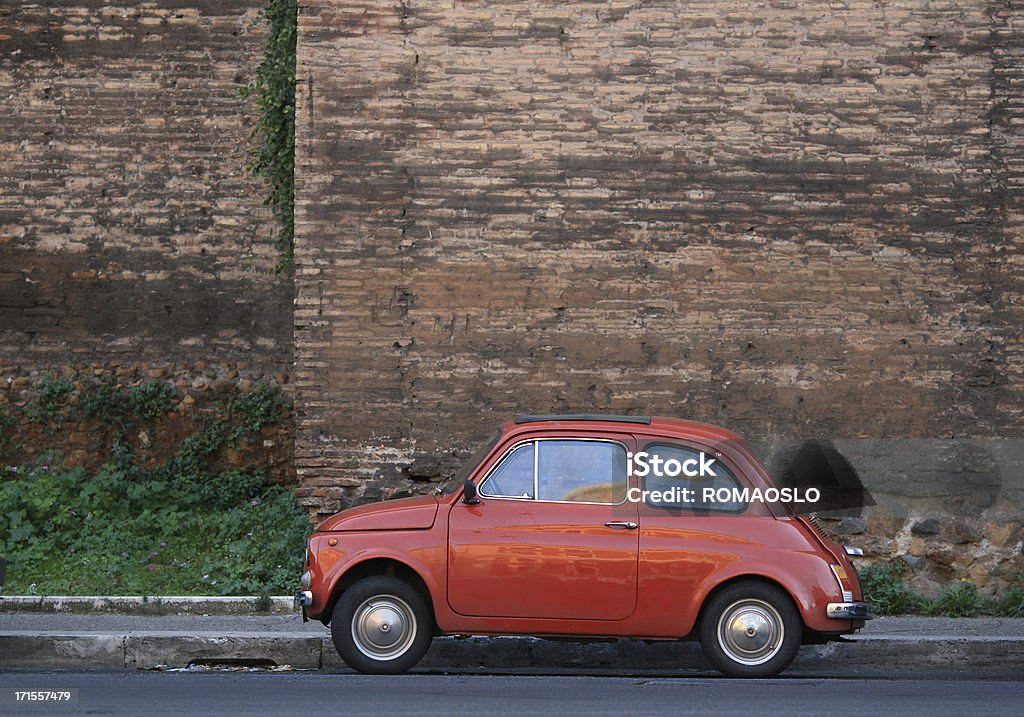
381,626
750,629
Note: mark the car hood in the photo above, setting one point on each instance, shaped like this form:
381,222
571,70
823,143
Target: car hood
415,513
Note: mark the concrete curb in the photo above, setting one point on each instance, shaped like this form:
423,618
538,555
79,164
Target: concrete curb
146,650
150,605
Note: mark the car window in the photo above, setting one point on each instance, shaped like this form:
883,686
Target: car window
513,478
665,481
573,471
581,471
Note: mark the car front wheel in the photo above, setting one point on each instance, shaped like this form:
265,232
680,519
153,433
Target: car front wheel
381,625
751,629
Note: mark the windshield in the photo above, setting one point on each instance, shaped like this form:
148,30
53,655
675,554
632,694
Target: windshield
449,486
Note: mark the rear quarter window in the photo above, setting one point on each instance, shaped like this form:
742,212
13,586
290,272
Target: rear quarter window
662,482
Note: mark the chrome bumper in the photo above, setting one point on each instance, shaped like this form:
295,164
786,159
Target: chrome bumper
304,598
849,611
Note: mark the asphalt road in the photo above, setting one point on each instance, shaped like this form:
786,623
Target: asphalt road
232,693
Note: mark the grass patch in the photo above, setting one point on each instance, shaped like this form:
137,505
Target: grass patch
1009,603
960,600
883,587
177,528
115,533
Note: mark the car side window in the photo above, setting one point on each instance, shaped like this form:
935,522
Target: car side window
581,471
513,478
666,483
567,471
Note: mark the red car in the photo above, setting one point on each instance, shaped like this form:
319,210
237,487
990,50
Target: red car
588,527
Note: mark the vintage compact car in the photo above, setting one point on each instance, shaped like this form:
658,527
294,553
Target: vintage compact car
587,527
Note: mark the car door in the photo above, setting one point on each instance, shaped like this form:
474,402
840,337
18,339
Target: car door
552,536
687,537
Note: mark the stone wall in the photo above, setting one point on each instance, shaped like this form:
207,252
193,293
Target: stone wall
91,420
947,509
134,244
794,219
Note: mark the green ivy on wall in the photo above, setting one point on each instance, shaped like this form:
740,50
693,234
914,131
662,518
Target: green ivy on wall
274,91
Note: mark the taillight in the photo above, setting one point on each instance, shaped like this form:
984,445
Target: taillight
843,578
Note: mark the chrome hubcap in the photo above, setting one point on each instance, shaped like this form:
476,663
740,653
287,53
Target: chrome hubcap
750,631
383,627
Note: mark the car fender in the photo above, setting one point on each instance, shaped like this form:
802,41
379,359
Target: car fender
420,565
806,578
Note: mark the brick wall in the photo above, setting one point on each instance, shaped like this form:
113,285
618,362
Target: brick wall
130,230
794,219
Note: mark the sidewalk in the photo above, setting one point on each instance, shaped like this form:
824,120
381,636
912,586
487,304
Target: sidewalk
103,640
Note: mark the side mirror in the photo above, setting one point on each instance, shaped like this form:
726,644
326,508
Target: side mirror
469,493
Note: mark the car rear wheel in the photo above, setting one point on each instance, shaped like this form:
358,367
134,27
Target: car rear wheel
381,625
751,629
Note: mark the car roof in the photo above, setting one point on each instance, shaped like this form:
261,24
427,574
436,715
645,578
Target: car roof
647,424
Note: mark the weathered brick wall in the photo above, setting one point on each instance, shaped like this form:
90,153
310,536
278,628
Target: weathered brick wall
93,422
794,219
130,230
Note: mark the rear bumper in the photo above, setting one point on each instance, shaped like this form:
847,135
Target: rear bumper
849,611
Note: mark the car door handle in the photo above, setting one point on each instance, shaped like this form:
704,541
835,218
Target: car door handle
627,524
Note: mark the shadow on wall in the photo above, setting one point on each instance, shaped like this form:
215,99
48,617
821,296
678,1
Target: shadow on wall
907,478
817,464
